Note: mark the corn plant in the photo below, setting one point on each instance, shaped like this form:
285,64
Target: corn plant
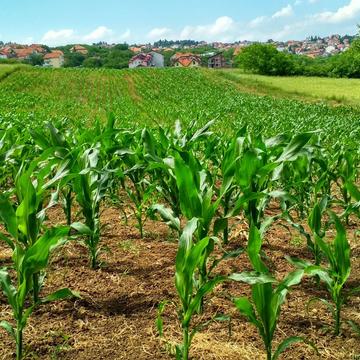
131,173
30,257
258,169
188,259
90,186
336,273
265,308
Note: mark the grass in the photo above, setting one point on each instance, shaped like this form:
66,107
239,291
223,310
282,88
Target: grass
332,90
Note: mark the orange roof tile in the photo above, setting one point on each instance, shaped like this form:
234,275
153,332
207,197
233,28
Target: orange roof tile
54,54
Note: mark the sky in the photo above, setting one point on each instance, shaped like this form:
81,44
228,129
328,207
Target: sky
86,21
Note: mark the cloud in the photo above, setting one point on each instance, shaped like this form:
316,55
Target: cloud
100,33
298,2
258,21
157,33
345,13
126,35
59,36
221,30
68,36
284,12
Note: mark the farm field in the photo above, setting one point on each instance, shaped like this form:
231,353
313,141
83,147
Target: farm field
331,90
177,214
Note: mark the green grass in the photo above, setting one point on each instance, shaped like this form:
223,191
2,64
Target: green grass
162,96
335,91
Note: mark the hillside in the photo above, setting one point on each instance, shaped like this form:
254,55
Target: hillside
152,96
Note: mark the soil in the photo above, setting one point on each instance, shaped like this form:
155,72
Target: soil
115,317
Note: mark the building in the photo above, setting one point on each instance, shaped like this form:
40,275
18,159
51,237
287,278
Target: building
186,60
79,49
37,48
23,54
217,61
151,59
54,59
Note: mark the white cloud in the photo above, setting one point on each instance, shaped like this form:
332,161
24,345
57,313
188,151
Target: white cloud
221,30
312,1
284,12
59,36
99,34
298,2
68,36
345,13
157,33
126,35
258,21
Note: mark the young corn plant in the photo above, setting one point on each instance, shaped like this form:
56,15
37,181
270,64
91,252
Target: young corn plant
337,272
131,173
29,199
264,308
188,259
258,170
90,186
31,253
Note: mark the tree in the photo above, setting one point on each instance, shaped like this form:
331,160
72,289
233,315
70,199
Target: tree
74,59
93,62
35,59
266,60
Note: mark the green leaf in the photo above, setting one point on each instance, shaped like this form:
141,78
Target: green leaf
293,149
246,308
82,228
8,216
167,215
315,220
188,189
8,289
205,289
254,247
252,278
60,295
8,327
289,341
36,256
159,321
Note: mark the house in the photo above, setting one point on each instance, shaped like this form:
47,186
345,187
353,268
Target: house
151,59
79,49
217,61
7,53
37,48
54,59
135,49
186,60
23,54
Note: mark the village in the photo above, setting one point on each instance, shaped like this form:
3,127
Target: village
182,53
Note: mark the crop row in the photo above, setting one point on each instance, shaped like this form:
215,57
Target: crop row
196,181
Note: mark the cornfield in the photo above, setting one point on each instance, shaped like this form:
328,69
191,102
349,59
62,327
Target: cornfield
222,194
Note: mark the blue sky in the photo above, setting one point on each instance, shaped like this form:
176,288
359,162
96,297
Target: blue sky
87,21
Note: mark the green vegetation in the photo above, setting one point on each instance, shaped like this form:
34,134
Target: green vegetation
264,59
160,96
80,138
338,91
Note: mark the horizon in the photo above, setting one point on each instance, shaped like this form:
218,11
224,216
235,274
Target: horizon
114,22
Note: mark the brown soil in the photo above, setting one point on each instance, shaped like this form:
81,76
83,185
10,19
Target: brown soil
115,318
